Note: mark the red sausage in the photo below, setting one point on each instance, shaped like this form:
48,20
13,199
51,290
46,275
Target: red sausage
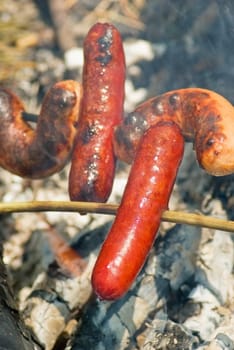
146,196
205,117
93,160
40,152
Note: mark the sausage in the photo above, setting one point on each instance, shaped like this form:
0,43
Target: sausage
93,161
137,221
204,117
40,152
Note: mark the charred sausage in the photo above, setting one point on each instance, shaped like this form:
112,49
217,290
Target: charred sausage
93,160
40,152
204,117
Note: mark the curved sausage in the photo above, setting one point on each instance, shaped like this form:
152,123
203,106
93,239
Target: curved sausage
93,160
146,196
204,117
40,152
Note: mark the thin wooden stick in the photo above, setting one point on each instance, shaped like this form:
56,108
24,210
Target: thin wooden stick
111,209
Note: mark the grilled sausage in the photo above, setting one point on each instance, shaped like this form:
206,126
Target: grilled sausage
40,152
93,160
138,218
204,117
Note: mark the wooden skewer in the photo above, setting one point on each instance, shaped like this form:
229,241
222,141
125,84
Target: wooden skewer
111,209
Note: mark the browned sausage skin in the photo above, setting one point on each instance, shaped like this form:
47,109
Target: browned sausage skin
205,117
146,195
40,152
93,161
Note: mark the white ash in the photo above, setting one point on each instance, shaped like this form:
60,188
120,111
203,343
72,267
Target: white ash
138,50
74,58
